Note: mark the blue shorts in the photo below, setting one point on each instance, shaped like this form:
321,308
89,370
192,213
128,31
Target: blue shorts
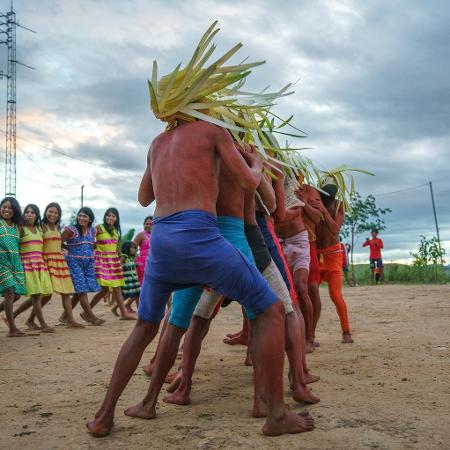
377,261
271,246
188,250
185,301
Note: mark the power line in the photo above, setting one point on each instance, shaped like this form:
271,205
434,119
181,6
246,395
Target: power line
401,190
44,172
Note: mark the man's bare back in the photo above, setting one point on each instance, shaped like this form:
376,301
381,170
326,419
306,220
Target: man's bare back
183,167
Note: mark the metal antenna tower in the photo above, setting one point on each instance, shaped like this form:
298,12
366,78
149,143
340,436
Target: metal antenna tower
8,29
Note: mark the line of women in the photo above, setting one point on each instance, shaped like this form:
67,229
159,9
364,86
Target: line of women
38,259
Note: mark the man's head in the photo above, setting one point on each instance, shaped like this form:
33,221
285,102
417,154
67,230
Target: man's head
331,190
374,233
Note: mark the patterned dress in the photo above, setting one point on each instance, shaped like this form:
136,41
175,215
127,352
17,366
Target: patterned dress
132,287
37,278
80,259
56,263
11,270
108,268
141,260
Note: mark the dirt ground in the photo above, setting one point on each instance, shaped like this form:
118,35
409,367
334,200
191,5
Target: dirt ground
389,390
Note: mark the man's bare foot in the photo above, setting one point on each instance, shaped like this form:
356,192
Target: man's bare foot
309,347
100,427
47,329
304,394
75,325
114,310
316,344
170,377
310,378
148,369
248,360
231,335
141,411
347,338
32,326
128,317
173,386
290,423
178,398
16,333
240,339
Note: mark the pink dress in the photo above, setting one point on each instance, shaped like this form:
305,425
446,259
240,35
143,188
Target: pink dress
141,260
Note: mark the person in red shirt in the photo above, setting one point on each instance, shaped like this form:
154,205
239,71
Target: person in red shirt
375,245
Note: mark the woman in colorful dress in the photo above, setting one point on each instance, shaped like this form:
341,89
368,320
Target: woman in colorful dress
132,289
108,269
37,279
80,242
142,240
12,277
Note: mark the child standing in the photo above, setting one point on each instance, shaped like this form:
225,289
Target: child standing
131,290
108,269
142,240
37,278
12,277
375,244
80,241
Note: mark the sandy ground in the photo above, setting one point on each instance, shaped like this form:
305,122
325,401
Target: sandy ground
389,390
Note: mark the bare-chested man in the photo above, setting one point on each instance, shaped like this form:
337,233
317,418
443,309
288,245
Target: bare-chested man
290,228
330,254
230,208
187,249
311,216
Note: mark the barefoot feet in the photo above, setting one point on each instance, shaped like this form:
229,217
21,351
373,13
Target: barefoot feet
100,427
141,411
290,423
347,338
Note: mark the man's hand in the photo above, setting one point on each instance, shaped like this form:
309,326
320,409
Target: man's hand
251,156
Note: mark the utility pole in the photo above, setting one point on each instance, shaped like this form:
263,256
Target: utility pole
82,195
8,30
435,218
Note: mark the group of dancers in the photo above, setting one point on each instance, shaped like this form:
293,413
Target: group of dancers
230,235
38,258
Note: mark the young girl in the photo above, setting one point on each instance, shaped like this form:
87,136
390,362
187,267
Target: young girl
12,278
142,240
56,263
37,278
80,241
108,268
131,290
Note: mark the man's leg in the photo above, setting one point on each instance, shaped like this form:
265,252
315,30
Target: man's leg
268,356
192,346
165,359
334,280
127,361
301,284
314,295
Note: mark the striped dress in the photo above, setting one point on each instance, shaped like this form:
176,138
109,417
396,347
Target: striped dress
108,268
56,263
132,287
37,278
11,270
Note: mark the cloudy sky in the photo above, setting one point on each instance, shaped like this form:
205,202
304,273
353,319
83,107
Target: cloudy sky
373,92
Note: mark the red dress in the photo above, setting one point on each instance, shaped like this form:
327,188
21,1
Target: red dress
141,260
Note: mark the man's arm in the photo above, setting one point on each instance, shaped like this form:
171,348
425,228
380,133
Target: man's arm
146,194
267,193
247,171
333,224
366,243
380,243
311,206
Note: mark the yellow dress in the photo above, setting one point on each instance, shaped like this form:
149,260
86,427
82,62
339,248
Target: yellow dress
108,268
56,263
37,278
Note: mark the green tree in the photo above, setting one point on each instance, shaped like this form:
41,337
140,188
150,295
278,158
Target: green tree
429,252
128,236
362,216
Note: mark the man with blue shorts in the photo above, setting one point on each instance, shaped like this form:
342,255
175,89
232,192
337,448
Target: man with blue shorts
188,250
